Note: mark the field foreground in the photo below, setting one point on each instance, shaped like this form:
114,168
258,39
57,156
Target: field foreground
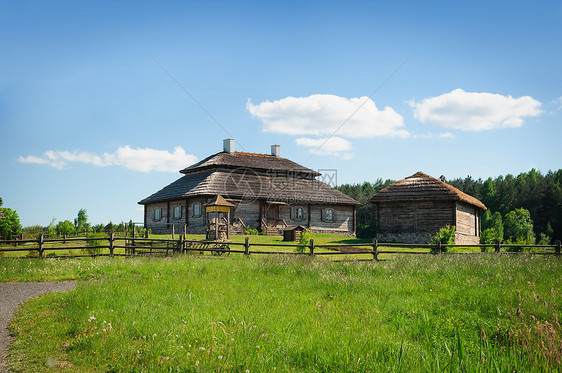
191,313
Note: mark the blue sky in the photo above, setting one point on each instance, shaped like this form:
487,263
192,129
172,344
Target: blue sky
90,117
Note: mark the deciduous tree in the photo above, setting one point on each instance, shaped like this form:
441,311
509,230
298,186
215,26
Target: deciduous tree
9,224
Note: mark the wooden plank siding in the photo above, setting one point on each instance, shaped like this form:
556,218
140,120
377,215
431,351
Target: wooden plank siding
249,213
414,217
466,219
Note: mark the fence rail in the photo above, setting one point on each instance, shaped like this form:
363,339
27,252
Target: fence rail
119,246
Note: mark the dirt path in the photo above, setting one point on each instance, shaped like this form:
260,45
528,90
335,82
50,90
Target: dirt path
14,293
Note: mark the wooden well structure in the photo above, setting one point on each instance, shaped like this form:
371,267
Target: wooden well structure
218,225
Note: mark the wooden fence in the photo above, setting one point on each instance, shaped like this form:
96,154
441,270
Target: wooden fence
127,246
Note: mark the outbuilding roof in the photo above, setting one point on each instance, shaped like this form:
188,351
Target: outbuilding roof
422,187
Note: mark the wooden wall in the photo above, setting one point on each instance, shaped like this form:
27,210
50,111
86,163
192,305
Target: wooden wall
414,217
467,216
418,222
250,214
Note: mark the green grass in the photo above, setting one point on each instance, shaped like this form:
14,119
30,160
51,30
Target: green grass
280,313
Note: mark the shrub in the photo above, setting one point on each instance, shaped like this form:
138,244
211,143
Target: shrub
304,239
9,224
489,237
446,236
518,226
518,241
251,232
93,241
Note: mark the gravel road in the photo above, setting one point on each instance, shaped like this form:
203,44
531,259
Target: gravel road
14,293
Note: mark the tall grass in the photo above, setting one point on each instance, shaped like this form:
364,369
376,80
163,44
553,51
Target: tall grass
431,313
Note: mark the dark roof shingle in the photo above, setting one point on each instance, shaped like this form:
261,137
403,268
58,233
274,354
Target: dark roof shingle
247,185
262,162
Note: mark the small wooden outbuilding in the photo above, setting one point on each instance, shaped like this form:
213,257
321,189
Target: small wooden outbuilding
292,233
413,210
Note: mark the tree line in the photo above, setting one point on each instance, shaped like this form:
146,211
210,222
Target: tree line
528,205
10,226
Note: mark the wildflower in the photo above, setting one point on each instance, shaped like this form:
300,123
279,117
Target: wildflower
220,357
197,363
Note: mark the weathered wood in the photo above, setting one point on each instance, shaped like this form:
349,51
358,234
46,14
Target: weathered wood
246,246
557,249
375,249
311,247
41,240
111,243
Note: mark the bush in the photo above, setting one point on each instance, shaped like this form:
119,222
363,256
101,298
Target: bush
446,236
544,239
93,241
518,241
304,239
518,227
9,224
489,237
251,232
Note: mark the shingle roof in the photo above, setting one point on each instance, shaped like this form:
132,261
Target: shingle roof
422,187
262,162
247,185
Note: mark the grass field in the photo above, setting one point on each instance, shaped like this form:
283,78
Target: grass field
284,313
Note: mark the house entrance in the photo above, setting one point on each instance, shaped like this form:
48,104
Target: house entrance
273,214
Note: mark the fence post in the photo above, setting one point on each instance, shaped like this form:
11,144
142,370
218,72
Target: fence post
111,238
438,246
375,249
498,246
311,247
64,239
557,249
247,246
41,245
146,233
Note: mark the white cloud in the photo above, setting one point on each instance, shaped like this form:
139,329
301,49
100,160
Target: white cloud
136,159
322,115
473,111
558,103
443,135
334,145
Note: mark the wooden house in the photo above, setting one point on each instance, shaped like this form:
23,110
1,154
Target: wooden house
414,209
269,193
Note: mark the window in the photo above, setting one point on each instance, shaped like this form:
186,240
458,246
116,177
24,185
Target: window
177,212
328,215
157,214
298,214
196,210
